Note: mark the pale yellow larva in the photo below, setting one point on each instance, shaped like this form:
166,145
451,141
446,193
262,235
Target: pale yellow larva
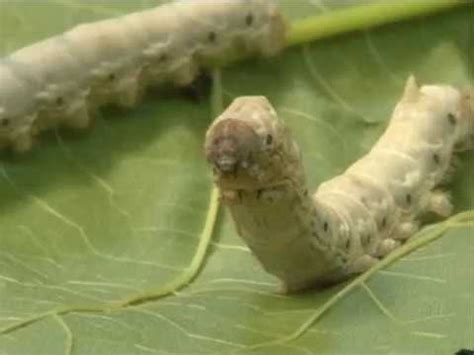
64,79
354,219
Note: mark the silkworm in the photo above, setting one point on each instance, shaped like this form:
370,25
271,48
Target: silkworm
354,219
63,80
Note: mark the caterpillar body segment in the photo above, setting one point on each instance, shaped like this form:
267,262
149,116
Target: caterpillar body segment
109,52
48,67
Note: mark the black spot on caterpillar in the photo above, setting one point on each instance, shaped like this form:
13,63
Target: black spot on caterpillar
212,37
269,139
355,218
63,79
249,19
452,119
326,226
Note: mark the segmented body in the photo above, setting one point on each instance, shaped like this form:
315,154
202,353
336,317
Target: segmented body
64,79
354,219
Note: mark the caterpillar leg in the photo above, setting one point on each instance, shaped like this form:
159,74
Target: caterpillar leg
186,74
362,264
287,287
130,91
440,204
129,97
386,246
80,120
405,230
454,165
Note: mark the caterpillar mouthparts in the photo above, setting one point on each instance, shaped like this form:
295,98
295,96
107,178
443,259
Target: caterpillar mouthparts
233,146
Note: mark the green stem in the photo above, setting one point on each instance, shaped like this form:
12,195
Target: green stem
190,272
363,17
196,264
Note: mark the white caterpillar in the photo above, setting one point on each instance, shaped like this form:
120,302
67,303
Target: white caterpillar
353,219
64,79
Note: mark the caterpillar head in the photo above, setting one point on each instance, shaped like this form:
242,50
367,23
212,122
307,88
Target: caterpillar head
248,146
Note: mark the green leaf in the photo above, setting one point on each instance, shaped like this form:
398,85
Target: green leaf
92,223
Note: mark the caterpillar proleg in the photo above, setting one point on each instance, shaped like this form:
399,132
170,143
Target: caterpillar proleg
354,219
63,80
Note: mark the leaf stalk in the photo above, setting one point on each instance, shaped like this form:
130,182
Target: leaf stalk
363,17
